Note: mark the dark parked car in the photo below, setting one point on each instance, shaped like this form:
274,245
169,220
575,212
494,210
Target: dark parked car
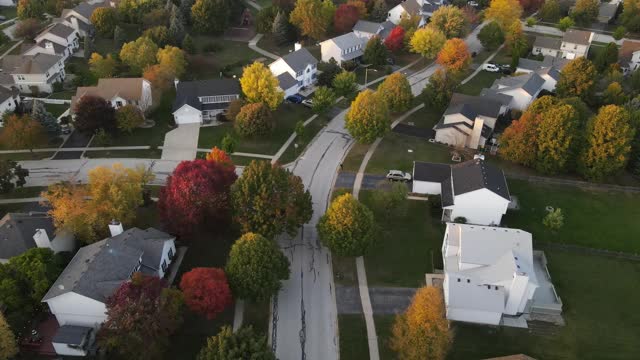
294,99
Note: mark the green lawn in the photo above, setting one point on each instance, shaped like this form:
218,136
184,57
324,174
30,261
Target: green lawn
105,46
26,156
310,131
483,79
23,192
229,60
388,261
65,95
285,117
8,11
597,292
354,158
56,109
269,44
136,154
594,219
423,118
353,337
372,74
383,330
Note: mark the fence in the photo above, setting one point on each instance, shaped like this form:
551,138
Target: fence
49,101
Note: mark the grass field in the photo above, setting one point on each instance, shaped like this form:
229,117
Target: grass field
398,151
56,109
353,337
596,219
483,79
229,59
310,131
23,192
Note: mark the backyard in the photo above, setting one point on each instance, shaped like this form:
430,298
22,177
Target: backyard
216,56
483,79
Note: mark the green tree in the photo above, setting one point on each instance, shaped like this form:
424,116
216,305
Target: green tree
619,32
566,23
259,85
396,91
585,11
630,16
269,200
245,343
119,36
323,99
228,143
504,12
379,11
8,344
375,53
491,36
253,120
211,16
105,20
427,42
128,118
437,93
102,67
12,175
606,57
22,133
577,79
344,83
30,9
347,228
451,21
46,119
281,28
609,137
554,219
139,54
391,204
550,11
368,117
614,94
256,267
313,17
188,45
265,18
177,22
158,34
556,139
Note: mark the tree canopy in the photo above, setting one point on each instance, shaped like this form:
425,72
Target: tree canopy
454,56
206,291
93,113
427,42
313,17
22,132
396,91
347,228
577,79
368,117
204,12
12,175
451,21
8,344
102,67
504,12
260,86
139,54
242,344
105,20
491,36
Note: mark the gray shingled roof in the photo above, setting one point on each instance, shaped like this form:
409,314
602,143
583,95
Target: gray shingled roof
71,334
430,172
57,48
187,92
347,40
6,94
580,37
430,6
475,174
30,64
17,230
60,29
479,105
531,83
97,270
86,9
551,71
504,99
529,64
299,59
367,26
607,10
286,81
547,42
446,193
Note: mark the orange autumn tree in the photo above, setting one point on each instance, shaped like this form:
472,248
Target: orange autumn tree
422,332
454,56
219,156
518,141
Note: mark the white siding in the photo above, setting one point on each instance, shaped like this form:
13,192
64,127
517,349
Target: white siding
330,51
9,105
521,99
482,207
395,14
451,136
187,115
425,187
474,316
63,349
545,51
168,245
76,309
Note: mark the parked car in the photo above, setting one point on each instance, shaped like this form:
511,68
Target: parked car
472,3
491,67
294,99
66,129
308,103
3,18
397,175
505,69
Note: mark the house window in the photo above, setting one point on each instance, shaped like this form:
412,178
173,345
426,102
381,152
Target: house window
164,266
308,70
299,83
118,103
217,99
299,73
170,254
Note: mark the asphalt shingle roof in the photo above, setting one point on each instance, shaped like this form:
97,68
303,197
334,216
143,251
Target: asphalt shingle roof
60,29
347,40
299,59
479,105
367,26
430,172
17,230
475,174
187,92
286,81
579,37
71,334
547,42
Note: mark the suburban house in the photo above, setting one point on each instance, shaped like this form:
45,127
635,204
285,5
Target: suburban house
523,89
607,12
77,298
469,120
574,44
79,17
119,92
199,102
473,190
424,8
32,73
629,55
527,65
347,47
20,232
295,70
369,29
58,39
9,101
493,276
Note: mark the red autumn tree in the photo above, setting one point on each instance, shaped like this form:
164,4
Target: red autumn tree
345,17
196,193
206,291
395,40
219,156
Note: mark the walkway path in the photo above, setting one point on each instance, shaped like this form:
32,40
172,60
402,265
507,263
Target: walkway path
254,4
21,200
253,45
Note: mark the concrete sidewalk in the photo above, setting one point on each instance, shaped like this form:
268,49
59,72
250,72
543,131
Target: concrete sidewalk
253,45
181,143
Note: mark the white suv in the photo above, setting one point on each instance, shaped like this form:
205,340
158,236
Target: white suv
397,175
491,67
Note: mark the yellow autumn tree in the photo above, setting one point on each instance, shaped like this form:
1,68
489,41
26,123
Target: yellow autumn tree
396,91
427,42
368,117
422,332
86,210
454,56
450,20
8,346
313,17
347,228
504,12
260,86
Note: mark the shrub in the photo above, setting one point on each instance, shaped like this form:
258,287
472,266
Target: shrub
253,120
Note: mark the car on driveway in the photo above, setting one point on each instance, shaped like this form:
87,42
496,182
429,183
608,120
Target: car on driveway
294,99
491,67
397,175
308,103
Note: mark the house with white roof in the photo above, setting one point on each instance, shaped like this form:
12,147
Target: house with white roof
492,275
295,70
574,44
368,29
58,39
522,89
200,101
119,92
473,190
469,120
77,298
422,8
347,47
29,73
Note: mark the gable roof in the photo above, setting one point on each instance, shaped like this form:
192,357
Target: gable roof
531,83
299,59
187,92
503,99
607,10
475,174
29,64
347,40
71,334
126,88
626,50
57,48
6,94
17,230
286,81
430,172
579,37
547,42
58,29
410,6
367,26
474,104
553,72
97,270
85,9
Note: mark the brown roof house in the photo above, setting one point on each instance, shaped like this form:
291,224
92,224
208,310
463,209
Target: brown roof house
119,92
629,55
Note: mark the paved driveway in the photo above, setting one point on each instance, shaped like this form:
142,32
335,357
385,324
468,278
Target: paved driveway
181,143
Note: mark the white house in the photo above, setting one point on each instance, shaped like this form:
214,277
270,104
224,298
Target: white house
78,296
20,232
469,120
368,29
574,44
32,72
347,47
58,39
423,8
9,101
199,102
119,92
473,190
522,89
8,3
300,66
489,273
629,55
